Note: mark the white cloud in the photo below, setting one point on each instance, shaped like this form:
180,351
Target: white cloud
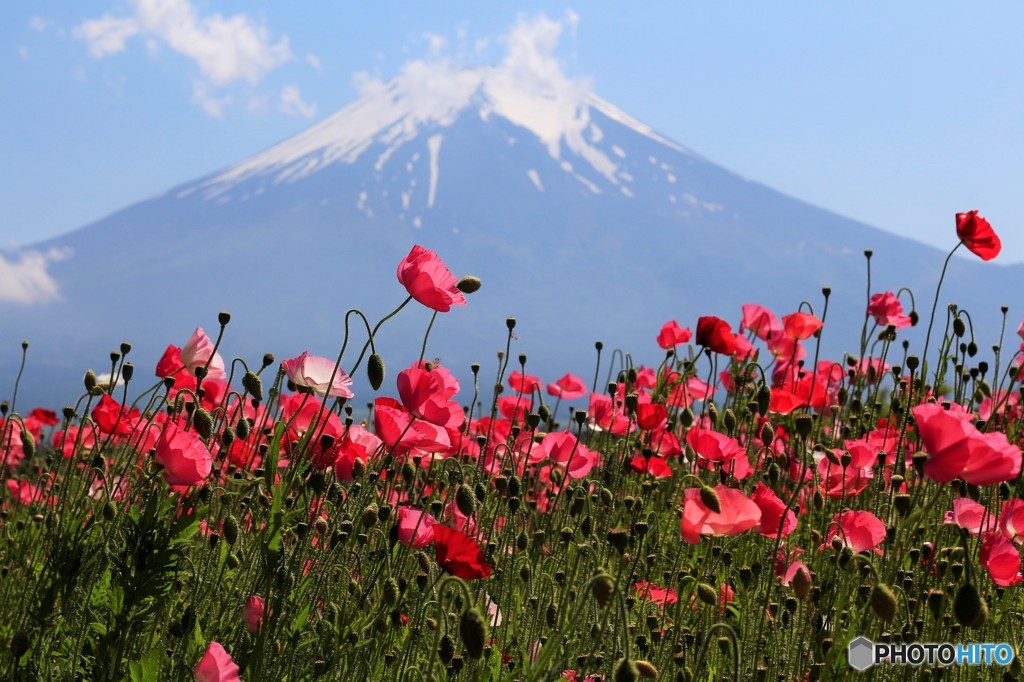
226,50
24,53
40,24
313,61
212,105
437,44
24,278
106,35
292,103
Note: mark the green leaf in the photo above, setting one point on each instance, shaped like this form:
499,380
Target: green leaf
147,668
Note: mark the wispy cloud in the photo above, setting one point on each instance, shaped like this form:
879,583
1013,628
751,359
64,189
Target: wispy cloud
291,103
24,279
226,50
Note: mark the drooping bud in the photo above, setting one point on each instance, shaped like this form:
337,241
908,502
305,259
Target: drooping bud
764,399
230,529
707,594
251,383
375,371
202,420
625,671
968,606
883,602
801,582
602,588
465,501
647,670
473,631
710,499
90,380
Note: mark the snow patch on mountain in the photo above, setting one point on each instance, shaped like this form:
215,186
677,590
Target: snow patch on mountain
527,88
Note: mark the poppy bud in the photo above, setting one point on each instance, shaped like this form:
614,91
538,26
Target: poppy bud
902,503
883,602
764,399
251,382
625,671
90,380
767,434
223,317
713,414
647,670
473,632
618,538
959,328
469,284
710,499
801,583
369,517
804,424
446,649
390,591
203,423
707,594
375,371
230,529
464,501
28,443
510,323
968,606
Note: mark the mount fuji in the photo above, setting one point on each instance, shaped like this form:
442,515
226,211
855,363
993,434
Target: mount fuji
583,223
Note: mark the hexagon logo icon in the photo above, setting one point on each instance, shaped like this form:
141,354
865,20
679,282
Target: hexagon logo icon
861,653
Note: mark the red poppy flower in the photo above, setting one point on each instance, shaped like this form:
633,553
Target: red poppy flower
672,335
977,235
1001,559
956,449
459,554
738,514
655,466
568,387
771,513
111,417
800,326
659,595
716,334
184,457
650,416
427,279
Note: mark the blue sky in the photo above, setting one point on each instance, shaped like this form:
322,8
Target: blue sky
896,114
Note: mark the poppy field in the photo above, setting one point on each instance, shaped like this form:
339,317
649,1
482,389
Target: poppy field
744,510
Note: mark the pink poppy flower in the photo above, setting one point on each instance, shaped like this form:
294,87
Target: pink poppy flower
956,449
523,383
887,310
216,665
771,513
672,335
314,372
423,395
356,443
968,514
563,448
713,446
1001,559
429,281
1011,520
252,613
183,455
761,321
568,387
977,235
198,350
402,434
415,527
738,514
859,530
